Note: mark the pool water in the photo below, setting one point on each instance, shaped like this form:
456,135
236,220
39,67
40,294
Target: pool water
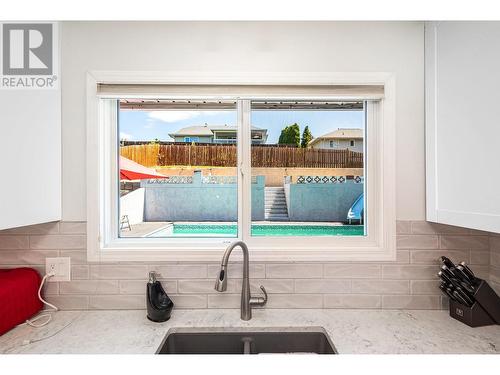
230,230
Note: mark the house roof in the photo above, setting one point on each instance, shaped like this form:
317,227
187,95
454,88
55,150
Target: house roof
341,133
207,130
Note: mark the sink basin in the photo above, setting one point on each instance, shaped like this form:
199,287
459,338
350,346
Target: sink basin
246,341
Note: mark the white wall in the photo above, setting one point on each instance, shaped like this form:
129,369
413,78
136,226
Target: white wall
132,205
251,46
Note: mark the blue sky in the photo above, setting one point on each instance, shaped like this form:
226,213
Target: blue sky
144,125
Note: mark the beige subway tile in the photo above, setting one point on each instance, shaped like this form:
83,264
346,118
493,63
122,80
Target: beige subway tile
77,256
403,227
495,244
479,257
409,272
426,227
202,286
100,271
494,275
69,302
464,242
428,287
235,270
411,302
322,286
445,303
45,228
14,242
417,241
352,270
224,301
80,272
187,271
56,241
483,272
139,286
73,227
117,302
272,285
402,257
351,301
294,270
432,256
189,301
380,286
295,301
495,259
89,287
50,288
25,258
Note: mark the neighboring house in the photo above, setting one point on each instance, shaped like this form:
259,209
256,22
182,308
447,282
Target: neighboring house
340,139
216,134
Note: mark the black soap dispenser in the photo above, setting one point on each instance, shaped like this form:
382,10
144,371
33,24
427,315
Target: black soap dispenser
158,303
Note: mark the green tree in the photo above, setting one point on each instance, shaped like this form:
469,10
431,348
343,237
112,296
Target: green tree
290,135
306,137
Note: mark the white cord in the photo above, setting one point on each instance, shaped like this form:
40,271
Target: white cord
46,315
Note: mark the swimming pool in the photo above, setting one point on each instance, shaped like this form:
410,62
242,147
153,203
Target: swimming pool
230,230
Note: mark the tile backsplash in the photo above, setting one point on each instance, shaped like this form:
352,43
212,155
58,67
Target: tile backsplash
409,282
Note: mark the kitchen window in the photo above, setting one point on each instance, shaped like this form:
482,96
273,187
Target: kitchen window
255,168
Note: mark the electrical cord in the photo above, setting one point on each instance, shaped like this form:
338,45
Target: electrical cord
46,313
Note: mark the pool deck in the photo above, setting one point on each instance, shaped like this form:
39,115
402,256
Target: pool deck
145,228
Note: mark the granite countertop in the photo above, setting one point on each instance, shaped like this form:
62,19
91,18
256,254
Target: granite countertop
351,331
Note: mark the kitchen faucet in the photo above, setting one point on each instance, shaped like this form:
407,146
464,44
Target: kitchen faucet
247,301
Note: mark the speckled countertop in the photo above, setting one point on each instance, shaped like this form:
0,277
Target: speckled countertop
351,331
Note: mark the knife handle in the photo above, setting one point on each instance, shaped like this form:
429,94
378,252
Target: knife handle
465,269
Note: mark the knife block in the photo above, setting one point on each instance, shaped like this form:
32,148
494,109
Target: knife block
484,312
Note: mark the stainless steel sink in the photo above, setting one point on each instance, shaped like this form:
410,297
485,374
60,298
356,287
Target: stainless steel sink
246,341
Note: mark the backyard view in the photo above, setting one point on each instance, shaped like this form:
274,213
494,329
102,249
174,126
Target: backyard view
178,168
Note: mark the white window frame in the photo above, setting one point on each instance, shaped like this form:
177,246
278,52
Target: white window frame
379,244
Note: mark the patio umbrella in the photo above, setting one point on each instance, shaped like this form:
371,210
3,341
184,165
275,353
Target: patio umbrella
130,170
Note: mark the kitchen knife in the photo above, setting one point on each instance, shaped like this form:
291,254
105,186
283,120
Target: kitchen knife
447,272
460,299
468,272
465,296
447,262
443,277
459,273
468,287
446,292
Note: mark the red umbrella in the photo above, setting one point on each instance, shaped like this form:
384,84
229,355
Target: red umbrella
130,170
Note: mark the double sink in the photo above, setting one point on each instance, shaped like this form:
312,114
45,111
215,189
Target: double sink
313,340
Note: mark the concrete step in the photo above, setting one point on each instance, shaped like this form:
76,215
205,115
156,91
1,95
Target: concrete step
277,217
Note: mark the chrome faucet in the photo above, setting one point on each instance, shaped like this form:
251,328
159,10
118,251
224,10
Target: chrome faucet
247,301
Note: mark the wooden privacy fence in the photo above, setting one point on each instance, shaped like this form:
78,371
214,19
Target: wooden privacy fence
215,155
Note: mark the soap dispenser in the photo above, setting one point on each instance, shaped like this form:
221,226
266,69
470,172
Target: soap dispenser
159,305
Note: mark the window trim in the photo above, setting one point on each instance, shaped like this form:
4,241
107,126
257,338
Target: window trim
380,247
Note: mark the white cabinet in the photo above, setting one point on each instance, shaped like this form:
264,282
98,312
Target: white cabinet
462,87
30,153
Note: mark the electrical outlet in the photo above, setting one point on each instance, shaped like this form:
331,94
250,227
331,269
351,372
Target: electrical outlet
61,267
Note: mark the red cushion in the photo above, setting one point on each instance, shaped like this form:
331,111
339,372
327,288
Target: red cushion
18,296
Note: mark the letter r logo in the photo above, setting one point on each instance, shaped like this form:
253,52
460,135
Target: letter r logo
27,49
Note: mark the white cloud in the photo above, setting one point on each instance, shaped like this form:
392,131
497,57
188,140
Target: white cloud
174,116
125,136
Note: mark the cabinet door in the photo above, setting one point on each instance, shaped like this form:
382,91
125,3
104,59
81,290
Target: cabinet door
462,123
30,139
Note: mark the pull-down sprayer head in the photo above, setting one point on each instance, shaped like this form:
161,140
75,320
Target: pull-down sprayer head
221,282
